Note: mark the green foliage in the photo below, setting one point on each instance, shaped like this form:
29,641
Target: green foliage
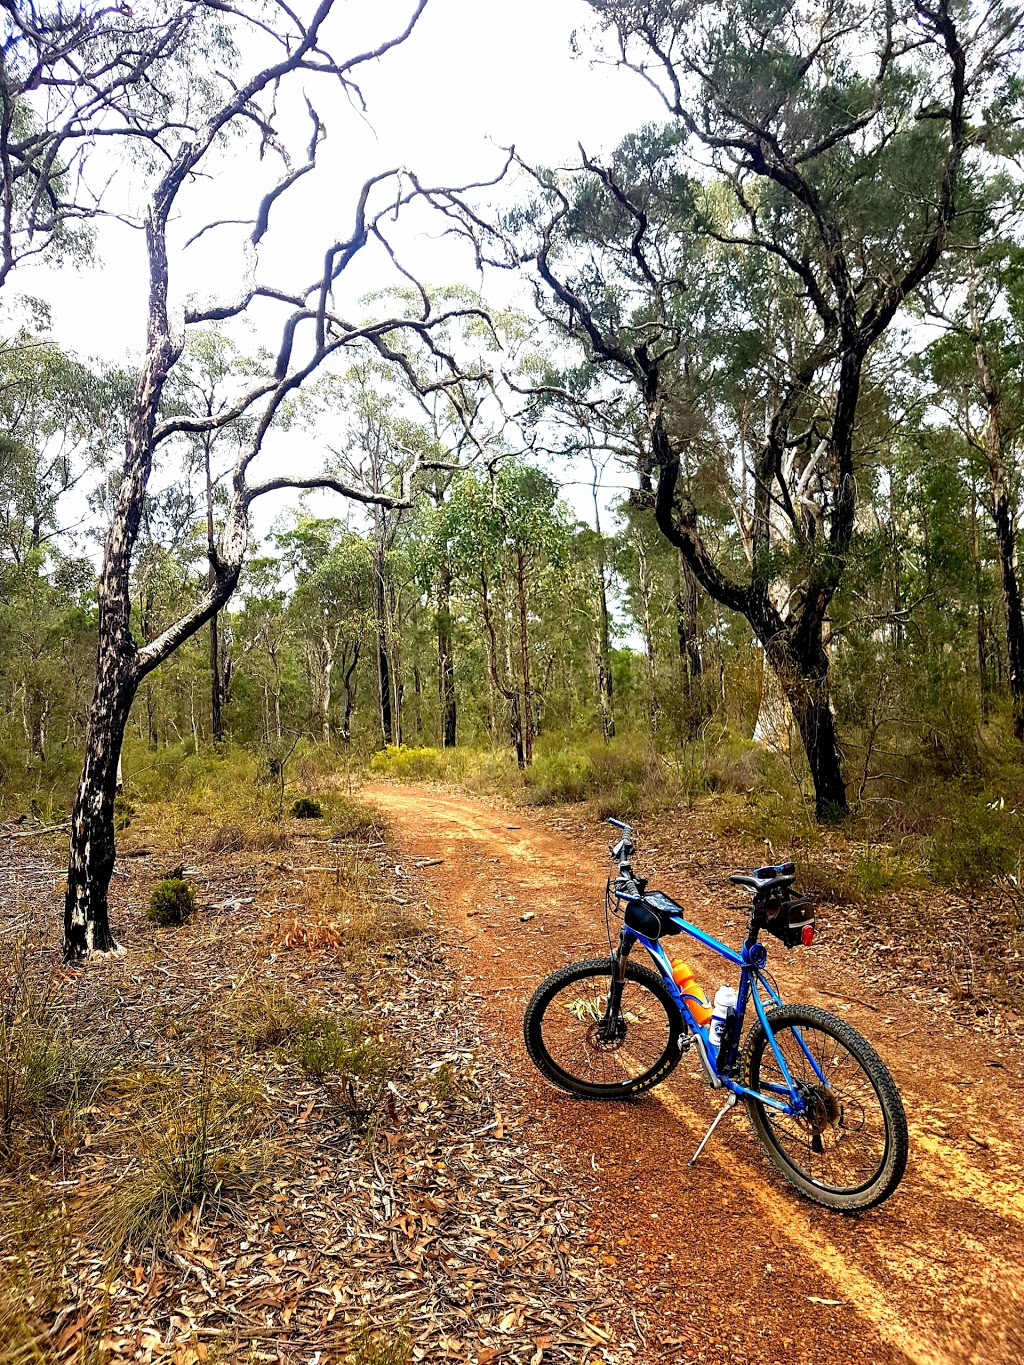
978,840
124,812
305,808
875,871
172,902
350,1060
404,763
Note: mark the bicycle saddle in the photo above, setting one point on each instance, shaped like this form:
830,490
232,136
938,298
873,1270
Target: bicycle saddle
766,878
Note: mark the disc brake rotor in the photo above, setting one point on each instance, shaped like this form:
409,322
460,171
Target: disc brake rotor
597,1043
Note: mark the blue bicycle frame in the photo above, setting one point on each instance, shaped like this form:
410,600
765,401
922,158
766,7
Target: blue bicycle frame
751,960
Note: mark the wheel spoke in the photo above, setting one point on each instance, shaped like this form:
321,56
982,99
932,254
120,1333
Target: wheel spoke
840,1139
571,1031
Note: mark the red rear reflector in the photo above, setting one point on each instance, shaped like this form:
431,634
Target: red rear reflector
807,936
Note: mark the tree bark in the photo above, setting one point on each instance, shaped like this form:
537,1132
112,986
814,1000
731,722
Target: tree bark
445,657
604,651
92,852
216,687
350,695
688,633
325,714
1006,541
383,661
216,691
524,652
511,694
804,680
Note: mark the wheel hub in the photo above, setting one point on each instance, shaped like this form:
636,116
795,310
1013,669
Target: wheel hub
598,1040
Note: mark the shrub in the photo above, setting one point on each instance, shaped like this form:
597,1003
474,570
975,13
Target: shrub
352,819
983,841
305,808
327,1046
228,839
264,1015
124,812
173,902
349,1060
875,871
402,763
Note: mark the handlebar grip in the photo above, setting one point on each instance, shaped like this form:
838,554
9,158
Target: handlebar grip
619,824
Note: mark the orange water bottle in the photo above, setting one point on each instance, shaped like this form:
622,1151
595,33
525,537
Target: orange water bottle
697,1001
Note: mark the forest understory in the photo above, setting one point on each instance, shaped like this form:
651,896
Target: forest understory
301,1124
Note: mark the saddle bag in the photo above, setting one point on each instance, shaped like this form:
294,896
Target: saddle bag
789,918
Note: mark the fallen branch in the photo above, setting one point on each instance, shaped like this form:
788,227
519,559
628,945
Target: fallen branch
33,833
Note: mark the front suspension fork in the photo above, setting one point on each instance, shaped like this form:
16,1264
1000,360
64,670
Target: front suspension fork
610,1023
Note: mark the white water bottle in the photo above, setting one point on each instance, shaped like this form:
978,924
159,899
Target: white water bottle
725,1000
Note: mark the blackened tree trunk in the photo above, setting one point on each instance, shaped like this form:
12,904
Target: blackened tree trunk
216,686
508,691
687,625
348,677
92,851
690,657
445,657
805,682
981,608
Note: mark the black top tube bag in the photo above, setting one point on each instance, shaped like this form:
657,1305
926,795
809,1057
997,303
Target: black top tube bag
650,916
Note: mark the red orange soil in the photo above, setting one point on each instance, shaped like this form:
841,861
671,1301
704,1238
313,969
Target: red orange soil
722,1261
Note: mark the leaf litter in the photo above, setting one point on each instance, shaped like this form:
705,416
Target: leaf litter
414,1212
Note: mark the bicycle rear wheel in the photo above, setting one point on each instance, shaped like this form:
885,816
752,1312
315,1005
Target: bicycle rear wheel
562,1027
848,1149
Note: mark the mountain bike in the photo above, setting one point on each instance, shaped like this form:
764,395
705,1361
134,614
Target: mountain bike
823,1106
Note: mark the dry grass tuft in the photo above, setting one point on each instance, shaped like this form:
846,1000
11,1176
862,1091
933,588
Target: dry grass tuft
48,1075
375,1348
264,1015
197,1149
228,839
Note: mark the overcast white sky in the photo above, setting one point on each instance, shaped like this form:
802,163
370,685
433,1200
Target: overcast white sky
475,76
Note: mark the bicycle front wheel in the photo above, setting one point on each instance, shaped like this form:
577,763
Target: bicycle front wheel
848,1148
565,1037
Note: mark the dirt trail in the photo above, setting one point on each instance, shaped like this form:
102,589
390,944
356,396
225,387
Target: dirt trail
725,1261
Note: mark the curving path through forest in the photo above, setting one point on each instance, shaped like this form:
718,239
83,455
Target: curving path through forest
722,1261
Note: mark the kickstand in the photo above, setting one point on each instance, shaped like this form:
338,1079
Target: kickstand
730,1103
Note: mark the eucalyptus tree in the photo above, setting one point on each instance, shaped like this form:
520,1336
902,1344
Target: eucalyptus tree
331,609
510,536
61,423
251,114
75,78
810,171
977,376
